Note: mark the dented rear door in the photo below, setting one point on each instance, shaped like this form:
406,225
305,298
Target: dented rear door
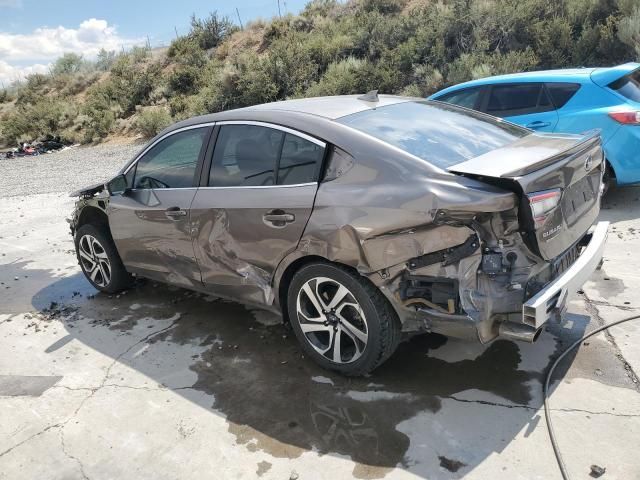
260,194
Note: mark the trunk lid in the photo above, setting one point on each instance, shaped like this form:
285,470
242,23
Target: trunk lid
569,164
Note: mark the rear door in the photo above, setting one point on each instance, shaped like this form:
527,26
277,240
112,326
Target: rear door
527,104
259,193
150,223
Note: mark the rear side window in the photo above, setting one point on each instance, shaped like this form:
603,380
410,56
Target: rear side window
245,155
252,155
300,160
465,98
441,134
518,99
171,163
561,93
628,86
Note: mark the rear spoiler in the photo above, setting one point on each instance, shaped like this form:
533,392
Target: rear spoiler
515,161
604,76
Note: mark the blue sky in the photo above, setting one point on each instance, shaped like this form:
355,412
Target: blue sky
35,32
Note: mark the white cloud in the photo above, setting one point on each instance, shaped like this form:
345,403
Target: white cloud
42,46
10,73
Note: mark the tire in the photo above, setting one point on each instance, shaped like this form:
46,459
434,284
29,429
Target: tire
99,260
349,326
608,179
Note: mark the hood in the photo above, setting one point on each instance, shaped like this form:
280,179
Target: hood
88,191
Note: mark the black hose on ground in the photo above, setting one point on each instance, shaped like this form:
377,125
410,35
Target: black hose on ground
547,412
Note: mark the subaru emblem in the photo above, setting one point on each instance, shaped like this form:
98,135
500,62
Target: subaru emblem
588,162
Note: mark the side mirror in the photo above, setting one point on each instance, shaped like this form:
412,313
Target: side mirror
118,185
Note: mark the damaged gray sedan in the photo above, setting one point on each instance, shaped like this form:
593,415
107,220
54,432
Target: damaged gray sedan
363,220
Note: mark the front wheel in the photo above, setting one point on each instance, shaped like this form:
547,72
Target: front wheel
341,319
99,260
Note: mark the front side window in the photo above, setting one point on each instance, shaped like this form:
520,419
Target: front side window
441,134
518,99
466,98
171,163
253,155
628,86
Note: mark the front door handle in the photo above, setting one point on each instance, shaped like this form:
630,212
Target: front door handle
279,218
538,124
175,212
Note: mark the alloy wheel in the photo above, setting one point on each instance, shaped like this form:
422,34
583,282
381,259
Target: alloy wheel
332,320
94,260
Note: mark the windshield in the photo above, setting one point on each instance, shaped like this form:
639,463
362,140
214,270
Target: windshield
628,86
441,134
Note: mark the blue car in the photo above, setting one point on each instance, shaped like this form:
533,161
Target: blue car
568,101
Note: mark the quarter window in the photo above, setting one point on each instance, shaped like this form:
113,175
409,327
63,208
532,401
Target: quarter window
171,163
561,93
252,155
466,98
518,99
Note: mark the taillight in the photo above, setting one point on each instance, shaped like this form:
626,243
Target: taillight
627,118
542,204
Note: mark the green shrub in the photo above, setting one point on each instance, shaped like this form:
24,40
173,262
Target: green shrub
151,121
5,97
67,63
413,47
209,32
33,121
184,79
99,112
105,59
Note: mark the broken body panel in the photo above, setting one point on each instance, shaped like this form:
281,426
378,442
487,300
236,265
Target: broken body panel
456,252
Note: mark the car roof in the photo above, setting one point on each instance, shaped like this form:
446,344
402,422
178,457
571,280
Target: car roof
329,108
575,75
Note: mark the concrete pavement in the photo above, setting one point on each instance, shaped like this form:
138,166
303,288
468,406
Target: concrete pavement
163,383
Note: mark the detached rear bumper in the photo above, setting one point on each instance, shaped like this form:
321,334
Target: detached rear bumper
552,300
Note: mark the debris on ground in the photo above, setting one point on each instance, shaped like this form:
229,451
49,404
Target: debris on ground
597,471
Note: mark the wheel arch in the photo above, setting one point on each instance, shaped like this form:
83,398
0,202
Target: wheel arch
93,215
289,270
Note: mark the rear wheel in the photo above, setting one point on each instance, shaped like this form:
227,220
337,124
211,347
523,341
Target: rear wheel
99,260
341,319
608,179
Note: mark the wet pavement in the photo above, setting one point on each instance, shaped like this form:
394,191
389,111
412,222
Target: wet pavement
160,382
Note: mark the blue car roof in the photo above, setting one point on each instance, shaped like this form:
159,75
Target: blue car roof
601,76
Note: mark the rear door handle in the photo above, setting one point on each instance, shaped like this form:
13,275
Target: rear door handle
538,124
175,212
279,217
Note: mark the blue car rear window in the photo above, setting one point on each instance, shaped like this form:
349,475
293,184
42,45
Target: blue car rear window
439,133
628,86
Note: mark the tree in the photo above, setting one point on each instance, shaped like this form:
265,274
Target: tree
67,63
211,31
105,59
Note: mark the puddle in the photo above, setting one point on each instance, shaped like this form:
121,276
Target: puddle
274,400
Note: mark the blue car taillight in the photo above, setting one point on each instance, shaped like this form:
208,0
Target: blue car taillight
629,117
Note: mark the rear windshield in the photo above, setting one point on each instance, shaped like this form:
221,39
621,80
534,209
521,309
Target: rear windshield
628,86
439,133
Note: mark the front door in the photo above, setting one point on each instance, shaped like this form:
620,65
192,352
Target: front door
151,223
261,188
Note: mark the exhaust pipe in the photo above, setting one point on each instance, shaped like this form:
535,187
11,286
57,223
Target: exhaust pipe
519,332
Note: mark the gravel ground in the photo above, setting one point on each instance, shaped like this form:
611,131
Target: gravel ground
72,169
